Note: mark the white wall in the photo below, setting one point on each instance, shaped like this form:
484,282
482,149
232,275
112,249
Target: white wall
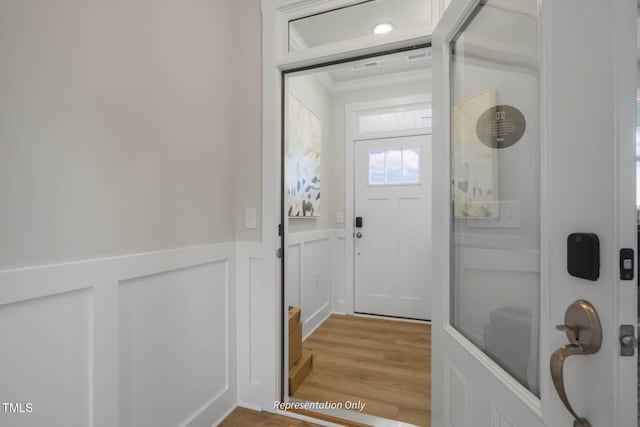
248,115
120,134
116,128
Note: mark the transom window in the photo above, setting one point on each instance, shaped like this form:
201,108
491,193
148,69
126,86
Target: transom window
394,121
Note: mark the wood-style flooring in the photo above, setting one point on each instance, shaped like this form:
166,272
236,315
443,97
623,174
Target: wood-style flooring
383,363
242,417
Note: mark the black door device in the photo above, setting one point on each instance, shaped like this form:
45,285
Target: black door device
358,222
583,256
626,264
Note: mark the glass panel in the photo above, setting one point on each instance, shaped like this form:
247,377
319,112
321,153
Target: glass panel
638,183
411,166
396,121
394,167
495,280
379,17
376,168
638,155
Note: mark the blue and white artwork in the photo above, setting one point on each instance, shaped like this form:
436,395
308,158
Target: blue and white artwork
303,161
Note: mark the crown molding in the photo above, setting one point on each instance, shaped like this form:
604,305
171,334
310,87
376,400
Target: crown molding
384,80
298,43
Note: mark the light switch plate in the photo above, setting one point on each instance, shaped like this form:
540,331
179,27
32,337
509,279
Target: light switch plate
250,218
508,217
339,217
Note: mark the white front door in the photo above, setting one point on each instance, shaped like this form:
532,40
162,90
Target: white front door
533,142
392,241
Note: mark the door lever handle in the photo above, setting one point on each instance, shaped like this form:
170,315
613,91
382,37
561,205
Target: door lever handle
557,374
584,331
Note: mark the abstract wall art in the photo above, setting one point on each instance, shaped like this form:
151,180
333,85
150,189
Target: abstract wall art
475,166
303,161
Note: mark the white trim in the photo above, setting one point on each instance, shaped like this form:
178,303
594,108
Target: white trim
324,319
399,319
625,104
531,400
299,44
385,80
455,17
287,10
249,406
224,416
368,45
276,59
300,417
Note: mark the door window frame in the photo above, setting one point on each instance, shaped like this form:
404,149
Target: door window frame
265,382
441,315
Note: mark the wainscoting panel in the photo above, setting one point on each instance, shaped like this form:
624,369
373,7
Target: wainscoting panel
498,418
341,293
312,269
172,362
294,279
143,340
254,367
46,360
457,395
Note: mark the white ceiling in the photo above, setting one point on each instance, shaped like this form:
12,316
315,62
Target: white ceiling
395,64
388,70
357,21
390,64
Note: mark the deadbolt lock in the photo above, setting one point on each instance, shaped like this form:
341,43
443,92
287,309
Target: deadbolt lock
628,340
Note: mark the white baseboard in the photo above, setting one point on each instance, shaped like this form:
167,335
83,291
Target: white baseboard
324,319
224,416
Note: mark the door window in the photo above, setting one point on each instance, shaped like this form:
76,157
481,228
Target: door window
394,167
495,173
395,121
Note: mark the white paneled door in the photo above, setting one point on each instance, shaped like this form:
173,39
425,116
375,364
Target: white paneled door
392,226
534,203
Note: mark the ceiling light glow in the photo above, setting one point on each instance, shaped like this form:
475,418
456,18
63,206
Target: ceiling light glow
382,28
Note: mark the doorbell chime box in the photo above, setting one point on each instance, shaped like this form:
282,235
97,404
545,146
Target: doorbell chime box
583,256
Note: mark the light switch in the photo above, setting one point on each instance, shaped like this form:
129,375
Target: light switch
250,218
508,217
339,217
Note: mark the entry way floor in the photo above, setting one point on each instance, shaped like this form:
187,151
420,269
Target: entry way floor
383,363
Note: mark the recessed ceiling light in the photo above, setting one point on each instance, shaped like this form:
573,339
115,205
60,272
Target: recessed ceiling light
382,28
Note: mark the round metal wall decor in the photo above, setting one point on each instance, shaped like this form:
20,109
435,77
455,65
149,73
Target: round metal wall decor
501,126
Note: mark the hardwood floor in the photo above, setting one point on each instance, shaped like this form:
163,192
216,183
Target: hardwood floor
383,363
242,417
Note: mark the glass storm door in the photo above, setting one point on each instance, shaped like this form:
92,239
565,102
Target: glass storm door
531,174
